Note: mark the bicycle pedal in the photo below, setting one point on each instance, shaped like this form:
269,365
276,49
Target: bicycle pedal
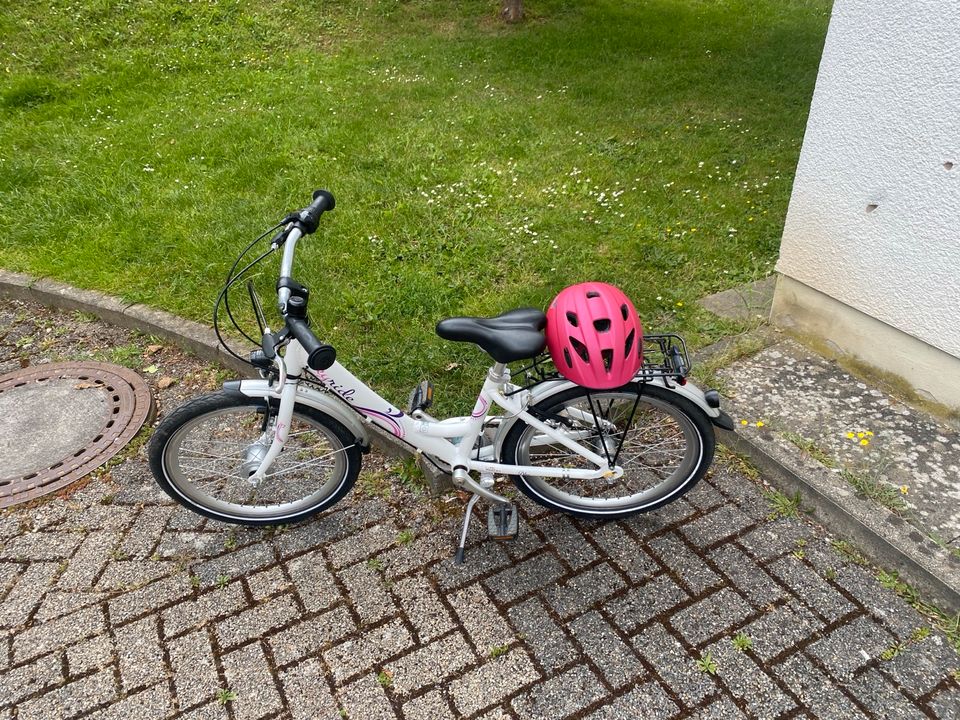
421,397
503,521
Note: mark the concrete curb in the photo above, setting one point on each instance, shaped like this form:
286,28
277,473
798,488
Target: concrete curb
191,336
886,538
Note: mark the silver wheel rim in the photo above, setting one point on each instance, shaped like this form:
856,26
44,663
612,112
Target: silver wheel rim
662,451
208,458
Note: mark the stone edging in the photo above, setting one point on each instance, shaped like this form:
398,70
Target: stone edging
192,336
885,538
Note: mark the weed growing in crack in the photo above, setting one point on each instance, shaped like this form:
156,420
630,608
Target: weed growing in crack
887,495
410,475
799,553
374,484
947,624
272,531
810,448
706,664
739,463
498,650
847,551
891,652
785,506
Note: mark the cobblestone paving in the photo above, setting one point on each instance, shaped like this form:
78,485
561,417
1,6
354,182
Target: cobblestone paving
115,603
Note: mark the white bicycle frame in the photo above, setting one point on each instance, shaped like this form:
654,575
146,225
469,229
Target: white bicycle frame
452,441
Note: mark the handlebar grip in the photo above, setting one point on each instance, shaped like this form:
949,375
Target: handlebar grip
309,217
319,356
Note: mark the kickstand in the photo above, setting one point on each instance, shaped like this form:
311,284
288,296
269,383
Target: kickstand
458,560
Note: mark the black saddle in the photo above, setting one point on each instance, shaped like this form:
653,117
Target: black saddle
514,335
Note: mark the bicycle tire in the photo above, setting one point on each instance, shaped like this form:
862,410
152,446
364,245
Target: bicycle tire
667,449
202,454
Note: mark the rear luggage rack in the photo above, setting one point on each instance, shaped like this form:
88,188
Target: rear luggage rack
664,356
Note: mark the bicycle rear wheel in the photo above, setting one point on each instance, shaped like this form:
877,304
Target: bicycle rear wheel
665,446
204,453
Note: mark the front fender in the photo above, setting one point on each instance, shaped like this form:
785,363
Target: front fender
306,395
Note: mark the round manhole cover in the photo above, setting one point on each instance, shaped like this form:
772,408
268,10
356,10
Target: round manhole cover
59,422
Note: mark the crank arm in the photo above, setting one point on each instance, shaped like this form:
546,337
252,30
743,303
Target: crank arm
463,480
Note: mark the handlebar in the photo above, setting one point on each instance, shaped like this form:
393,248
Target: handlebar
293,306
300,223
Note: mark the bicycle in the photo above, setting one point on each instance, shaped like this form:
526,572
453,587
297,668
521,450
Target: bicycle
279,448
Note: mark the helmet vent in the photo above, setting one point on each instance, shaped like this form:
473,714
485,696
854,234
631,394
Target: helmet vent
624,311
580,349
566,356
593,294
607,356
629,344
602,325
572,319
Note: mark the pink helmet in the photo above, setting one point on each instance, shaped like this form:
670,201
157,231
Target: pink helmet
594,335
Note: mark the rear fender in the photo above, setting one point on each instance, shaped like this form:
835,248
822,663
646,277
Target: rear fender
689,392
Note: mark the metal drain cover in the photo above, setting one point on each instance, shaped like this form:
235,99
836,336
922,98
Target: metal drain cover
59,422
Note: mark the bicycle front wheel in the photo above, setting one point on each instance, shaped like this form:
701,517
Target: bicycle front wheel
663,442
204,454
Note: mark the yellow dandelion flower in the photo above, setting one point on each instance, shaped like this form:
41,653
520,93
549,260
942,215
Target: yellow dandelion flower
759,423
904,489
850,436
864,442
869,434
680,304
860,435
744,422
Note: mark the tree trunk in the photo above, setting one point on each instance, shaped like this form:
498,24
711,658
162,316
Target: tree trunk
512,11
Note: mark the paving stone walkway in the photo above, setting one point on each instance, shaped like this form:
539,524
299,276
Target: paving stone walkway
116,603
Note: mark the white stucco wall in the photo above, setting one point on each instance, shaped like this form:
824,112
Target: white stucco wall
884,131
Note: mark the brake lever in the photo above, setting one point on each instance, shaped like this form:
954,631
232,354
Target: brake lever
281,237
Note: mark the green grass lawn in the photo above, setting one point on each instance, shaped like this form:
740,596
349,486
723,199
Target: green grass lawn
476,166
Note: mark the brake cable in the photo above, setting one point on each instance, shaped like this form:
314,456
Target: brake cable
224,296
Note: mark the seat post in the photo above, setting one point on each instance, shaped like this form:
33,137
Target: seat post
498,373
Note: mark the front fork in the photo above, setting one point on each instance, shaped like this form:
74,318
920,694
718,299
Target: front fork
291,365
